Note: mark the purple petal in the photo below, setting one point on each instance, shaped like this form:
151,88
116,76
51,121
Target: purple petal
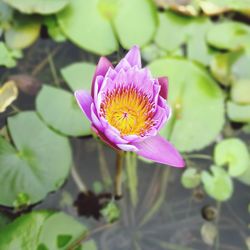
158,149
84,100
163,81
127,147
134,56
101,69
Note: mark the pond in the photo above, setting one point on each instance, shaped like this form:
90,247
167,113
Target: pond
59,180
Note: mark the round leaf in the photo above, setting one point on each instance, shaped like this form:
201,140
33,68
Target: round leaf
235,35
133,26
218,185
237,112
79,75
38,6
240,92
39,164
83,24
190,178
233,152
196,101
59,109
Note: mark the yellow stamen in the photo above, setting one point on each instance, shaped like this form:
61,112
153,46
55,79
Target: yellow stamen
128,110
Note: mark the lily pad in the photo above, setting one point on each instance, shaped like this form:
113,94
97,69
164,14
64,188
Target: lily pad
79,75
22,36
237,112
133,26
58,108
240,91
38,6
235,35
39,164
188,128
217,184
82,23
8,94
190,178
233,153
8,56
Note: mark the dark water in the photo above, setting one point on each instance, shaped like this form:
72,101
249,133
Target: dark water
177,221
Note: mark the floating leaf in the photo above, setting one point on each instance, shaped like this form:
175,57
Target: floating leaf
187,129
8,94
8,56
88,245
79,75
139,27
23,233
40,161
82,23
240,92
190,178
38,6
58,108
60,231
237,112
232,152
217,184
235,35
22,36
6,15
209,233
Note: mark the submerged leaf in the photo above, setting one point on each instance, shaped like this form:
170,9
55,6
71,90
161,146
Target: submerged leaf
217,184
8,94
232,152
209,233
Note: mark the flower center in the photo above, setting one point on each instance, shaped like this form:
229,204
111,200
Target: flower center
128,110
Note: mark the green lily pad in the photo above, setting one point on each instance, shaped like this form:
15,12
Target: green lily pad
23,233
235,35
79,75
190,178
188,129
59,109
82,23
41,230
245,177
6,15
38,6
240,92
22,36
133,26
39,164
232,152
217,184
88,245
55,235
237,112
7,56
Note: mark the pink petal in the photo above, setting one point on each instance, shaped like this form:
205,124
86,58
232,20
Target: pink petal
101,69
163,81
158,149
84,100
127,147
134,56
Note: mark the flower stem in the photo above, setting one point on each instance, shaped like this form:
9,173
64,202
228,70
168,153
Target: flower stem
78,181
118,177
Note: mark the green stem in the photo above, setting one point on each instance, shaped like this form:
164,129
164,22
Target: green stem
78,181
199,156
131,168
53,70
118,177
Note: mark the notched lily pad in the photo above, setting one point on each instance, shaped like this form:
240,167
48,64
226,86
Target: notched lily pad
217,184
233,153
58,108
8,94
38,165
190,178
187,129
79,75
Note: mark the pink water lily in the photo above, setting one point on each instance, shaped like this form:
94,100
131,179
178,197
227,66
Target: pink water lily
127,107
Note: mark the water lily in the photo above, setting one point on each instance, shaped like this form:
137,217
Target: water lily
127,107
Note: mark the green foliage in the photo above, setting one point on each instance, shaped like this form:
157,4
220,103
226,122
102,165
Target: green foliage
7,56
187,129
237,112
58,108
36,166
190,178
111,212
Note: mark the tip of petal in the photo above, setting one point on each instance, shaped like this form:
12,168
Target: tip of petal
134,56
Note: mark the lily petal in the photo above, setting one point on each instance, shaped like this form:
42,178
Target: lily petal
84,100
163,81
158,149
134,56
101,69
